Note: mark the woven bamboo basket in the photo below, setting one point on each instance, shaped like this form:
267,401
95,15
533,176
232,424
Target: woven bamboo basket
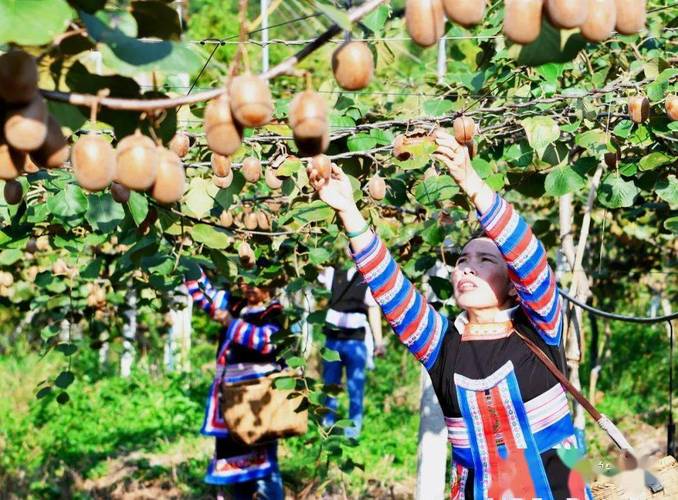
665,469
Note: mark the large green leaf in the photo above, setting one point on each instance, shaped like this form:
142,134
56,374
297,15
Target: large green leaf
376,19
156,19
667,189
210,236
615,192
654,160
33,22
562,180
104,213
69,203
552,46
304,213
129,56
434,189
138,207
199,199
339,17
541,131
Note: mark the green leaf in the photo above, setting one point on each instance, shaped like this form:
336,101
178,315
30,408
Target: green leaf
63,398
672,224
482,167
49,331
295,362
376,19
129,56
550,71
434,189
104,213
226,196
667,189
33,22
305,213
552,46
653,160
68,204
441,287
330,355
284,383
66,349
43,393
420,155
290,167
10,256
338,17
156,19
64,379
594,141
623,129
361,142
383,137
210,236
562,180
541,131
138,207
437,107
319,256
615,192
199,199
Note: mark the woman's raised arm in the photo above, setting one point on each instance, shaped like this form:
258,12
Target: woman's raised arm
206,297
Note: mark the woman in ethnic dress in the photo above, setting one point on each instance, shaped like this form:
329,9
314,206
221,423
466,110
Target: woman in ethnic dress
245,351
506,413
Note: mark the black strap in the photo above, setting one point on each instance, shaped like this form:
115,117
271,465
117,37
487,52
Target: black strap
334,301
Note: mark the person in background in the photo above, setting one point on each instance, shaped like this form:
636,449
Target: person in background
352,313
245,351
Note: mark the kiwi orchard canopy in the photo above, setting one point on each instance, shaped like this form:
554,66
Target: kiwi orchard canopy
160,180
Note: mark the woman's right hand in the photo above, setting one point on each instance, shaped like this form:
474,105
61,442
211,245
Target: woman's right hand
335,191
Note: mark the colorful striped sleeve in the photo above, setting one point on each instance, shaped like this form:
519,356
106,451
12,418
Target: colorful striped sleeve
417,324
205,296
257,338
528,268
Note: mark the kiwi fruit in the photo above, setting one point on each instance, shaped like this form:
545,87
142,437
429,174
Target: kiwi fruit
221,165
425,21
567,14
263,222
377,188
465,12
251,100
224,134
6,279
631,16
54,152
120,193
639,108
308,121
12,162
18,77
272,180
611,159
464,129
226,219
353,65
137,162
180,144
13,192
246,255
93,162
223,182
170,181
522,20
250,221
599,24
26,126
274,205
671,106
323,165
251,169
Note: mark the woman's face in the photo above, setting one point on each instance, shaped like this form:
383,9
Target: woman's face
480,277
255,295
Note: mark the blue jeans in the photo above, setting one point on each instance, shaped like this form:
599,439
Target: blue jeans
267,488
353,354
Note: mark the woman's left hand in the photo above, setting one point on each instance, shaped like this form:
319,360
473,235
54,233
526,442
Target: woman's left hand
456,158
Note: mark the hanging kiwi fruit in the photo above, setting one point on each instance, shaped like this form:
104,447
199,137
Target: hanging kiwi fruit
12,162
465,12
377,187
308,121
119,192
631,16
226,219
223,182
323,165
137,162
599,24
274,205
464,129
170,181
224,134
180,144
250,221
263,222
251,169
425,21
93,162
246,255
272,179
251,100
18,77
522,20
671,106
566,14
639,108
13,192
54,152
26,126
221,165
353,65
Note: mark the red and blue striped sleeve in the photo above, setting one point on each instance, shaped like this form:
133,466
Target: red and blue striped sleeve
206,297
417,324
528,268
257,338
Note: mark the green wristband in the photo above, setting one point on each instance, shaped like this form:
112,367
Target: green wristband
355,234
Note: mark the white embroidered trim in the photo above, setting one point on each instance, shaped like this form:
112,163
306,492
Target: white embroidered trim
484,384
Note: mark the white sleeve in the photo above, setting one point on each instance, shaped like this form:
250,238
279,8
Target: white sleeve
369,299
326,276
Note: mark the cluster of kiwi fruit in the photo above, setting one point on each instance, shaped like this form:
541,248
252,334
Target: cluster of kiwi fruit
639,108
30,137
248,218
596,19
96,295
137,164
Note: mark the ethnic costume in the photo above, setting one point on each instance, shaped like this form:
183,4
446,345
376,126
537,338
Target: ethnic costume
506,413
245,351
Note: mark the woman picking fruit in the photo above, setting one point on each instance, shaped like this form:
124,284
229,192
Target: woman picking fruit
506,414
